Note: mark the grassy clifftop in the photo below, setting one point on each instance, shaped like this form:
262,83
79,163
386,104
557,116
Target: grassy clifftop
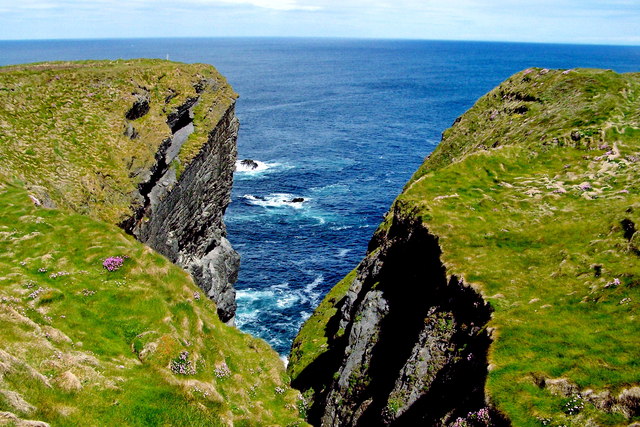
530,193
69,130
137,343
533,195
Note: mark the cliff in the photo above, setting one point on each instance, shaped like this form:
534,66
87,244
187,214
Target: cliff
149,145
98,328
501,288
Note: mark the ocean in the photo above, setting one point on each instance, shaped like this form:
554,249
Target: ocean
341,124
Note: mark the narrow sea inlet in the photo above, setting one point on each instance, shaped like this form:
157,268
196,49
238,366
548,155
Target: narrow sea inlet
341,124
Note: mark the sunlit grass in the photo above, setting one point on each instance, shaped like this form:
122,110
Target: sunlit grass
117,331
62,127
543,246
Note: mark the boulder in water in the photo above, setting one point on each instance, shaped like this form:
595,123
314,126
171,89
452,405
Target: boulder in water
251,164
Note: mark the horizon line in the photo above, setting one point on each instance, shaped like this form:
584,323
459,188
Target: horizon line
576,43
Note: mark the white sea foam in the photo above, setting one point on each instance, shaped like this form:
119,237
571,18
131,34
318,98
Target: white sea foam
341,227
275,200
320,219
311,286
261,167
343,252
287,300
280,286
251,295
304,315
285,360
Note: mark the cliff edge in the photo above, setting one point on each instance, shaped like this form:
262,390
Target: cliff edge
96,327
147,144
502,287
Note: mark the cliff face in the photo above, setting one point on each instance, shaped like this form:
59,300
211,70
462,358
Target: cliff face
182,218
409,340
490,293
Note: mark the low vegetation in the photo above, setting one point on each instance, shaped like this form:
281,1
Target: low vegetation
87,340
68,131
98,329
529,194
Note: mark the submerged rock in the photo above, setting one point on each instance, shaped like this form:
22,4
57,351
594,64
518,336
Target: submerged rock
251,164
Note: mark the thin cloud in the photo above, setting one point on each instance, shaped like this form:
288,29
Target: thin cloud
598,21
272,4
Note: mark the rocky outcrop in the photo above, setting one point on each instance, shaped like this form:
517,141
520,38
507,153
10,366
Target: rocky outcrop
182,216
410,343
534,168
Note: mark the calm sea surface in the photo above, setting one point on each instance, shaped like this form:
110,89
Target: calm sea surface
340,123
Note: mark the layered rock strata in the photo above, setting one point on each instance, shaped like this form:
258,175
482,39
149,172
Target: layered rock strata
182,217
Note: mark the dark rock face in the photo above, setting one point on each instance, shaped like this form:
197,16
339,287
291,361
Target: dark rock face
182,217
413,348
140,107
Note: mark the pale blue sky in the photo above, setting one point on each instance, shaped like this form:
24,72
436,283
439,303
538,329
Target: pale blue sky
563,21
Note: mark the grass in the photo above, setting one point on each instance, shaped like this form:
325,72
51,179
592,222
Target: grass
117,332
313,338
534,223
527,193
534,258
62,127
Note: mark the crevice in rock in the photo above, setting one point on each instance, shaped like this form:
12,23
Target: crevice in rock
181,124
182,116
140,106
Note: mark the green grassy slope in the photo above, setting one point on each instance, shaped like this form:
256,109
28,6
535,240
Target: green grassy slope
62,126
535,225
532,193
141,345
81,345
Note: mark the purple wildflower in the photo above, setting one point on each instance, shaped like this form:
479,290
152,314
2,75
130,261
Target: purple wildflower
460,422
113,263
483,416
222,371
182,365
34,294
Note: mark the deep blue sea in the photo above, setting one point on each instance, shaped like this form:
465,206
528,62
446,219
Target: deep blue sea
340,123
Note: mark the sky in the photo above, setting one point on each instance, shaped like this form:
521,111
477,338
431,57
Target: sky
544,21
